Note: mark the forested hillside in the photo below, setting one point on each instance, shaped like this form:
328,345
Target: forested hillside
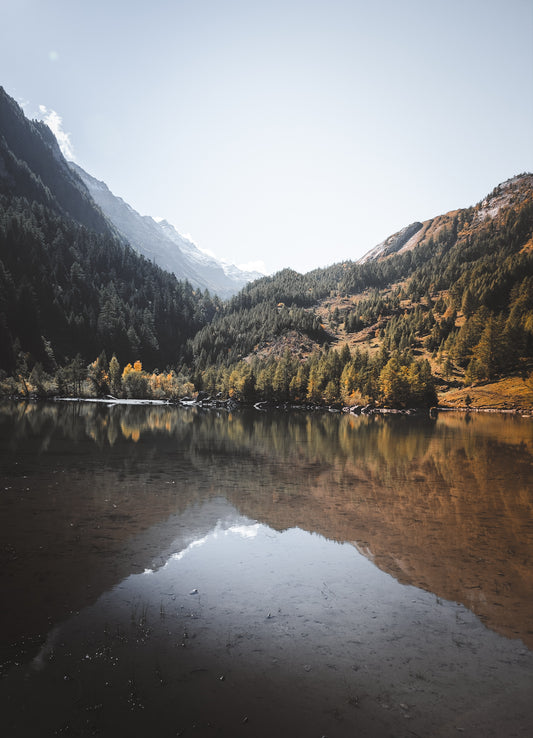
70,290
452,307
65,290
469,256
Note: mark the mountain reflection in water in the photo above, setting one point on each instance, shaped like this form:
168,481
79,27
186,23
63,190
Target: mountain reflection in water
92,494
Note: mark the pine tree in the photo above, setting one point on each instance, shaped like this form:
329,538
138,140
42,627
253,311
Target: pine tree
314,384
348,383
488,354
394,383
469,303
98,375
298,385
115,382
283,375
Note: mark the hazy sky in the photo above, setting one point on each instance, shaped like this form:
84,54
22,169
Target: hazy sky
290,132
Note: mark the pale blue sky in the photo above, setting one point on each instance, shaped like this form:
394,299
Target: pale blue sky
296,133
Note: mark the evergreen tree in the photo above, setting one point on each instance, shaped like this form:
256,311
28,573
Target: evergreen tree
488,354
394,383
115,381
98,375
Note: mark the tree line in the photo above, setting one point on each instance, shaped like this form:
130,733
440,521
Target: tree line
327,377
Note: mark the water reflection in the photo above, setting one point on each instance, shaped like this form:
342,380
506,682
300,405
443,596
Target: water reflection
92,494
243,619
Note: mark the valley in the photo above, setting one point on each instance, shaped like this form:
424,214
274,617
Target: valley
98,300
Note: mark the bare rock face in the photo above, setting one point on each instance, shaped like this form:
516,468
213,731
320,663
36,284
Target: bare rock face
392,244
515,189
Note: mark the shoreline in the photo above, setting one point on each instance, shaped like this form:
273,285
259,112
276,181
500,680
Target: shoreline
266,405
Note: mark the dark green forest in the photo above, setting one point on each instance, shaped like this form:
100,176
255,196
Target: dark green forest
66,290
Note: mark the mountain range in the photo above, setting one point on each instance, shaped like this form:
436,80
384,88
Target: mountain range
31,164
442,306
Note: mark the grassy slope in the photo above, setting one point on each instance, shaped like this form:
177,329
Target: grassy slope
510,393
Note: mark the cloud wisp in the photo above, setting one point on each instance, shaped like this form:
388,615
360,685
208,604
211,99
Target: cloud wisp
55,122
254,266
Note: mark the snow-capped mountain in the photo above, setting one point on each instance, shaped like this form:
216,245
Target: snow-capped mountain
161,243
206,263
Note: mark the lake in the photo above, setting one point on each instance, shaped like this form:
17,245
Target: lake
177,571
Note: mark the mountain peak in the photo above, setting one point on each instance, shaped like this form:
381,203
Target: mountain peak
516,189
501,196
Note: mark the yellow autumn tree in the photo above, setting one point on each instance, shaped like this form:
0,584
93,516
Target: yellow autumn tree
135,381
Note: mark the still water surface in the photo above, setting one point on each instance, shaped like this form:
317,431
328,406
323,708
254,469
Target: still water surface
174,571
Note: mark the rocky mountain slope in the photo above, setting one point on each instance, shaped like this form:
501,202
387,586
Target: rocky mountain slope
161,243
510,194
